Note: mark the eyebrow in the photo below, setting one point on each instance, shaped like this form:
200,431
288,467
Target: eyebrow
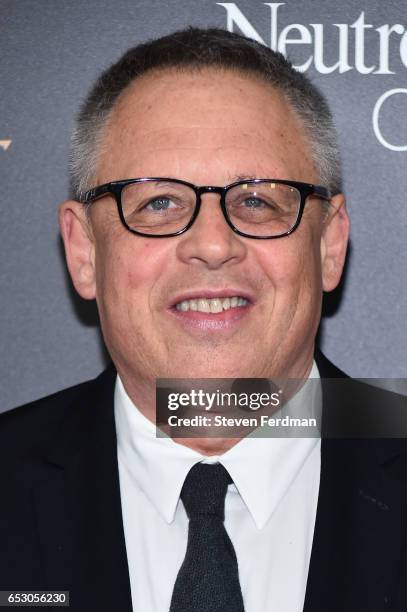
242,177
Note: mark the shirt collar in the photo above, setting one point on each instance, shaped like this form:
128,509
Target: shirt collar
262,469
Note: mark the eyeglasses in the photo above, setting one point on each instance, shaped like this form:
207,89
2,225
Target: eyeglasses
164,207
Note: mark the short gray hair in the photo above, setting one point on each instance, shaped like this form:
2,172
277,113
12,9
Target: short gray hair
194,49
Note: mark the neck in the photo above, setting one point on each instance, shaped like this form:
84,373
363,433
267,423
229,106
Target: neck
142,393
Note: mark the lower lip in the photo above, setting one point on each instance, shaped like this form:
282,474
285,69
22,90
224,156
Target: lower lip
211,322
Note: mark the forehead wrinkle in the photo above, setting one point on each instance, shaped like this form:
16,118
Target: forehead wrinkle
151,162
193,135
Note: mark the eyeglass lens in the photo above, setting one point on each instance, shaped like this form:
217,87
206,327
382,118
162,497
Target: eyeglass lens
257,209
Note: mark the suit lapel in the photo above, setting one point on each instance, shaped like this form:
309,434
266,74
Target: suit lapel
79,510
359,531
359,535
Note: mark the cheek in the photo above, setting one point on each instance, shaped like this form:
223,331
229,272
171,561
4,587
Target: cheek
145,265
291,265
128,270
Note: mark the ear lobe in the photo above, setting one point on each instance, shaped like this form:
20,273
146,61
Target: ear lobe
79,247
334,242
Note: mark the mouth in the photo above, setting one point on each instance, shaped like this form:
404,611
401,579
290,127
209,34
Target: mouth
212,305
209,310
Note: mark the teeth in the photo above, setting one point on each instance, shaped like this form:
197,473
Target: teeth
213,306
202,305
216,306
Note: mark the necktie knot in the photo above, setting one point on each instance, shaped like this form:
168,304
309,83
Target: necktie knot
205,489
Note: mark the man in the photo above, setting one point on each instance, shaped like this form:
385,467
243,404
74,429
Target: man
213,267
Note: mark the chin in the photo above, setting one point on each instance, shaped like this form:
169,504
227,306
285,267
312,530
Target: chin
208,446
214,364
214,371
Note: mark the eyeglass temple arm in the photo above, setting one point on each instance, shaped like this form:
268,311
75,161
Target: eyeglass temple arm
97,192
322,192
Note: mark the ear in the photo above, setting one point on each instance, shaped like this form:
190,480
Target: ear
79,247
334,242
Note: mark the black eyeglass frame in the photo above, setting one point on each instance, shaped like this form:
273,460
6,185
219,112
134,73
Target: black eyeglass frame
115,188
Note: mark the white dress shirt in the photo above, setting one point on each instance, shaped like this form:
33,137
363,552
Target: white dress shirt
269,511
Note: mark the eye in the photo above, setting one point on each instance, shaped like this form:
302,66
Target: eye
160,203
256,203
253,202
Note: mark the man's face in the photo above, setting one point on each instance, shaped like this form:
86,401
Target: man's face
208,128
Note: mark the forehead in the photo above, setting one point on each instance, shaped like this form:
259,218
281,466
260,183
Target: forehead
219,116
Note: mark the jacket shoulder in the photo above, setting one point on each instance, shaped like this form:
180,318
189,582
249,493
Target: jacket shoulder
49,407
26,429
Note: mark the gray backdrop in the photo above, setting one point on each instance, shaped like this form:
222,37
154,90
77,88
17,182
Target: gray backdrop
52,50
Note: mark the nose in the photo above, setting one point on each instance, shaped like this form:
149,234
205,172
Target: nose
210,241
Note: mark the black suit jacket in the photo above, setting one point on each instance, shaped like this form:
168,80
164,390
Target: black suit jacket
61,523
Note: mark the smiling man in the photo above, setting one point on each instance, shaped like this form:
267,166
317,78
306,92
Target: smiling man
208,220
162,300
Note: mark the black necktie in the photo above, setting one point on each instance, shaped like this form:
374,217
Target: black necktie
208,580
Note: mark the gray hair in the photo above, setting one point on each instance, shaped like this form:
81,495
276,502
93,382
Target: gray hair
195,48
